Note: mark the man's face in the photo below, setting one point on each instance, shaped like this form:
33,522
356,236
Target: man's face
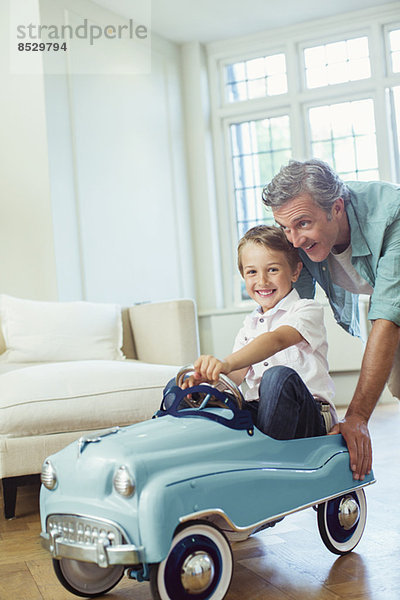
309,227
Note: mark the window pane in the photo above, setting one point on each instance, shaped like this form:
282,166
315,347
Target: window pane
342,119
343,134
366,152
259,148
317,77
362,116
396,132
280,133
324,151
372,175
255,68
320,122
359,69
337,73
358,47
338,62
276,84
336,53
237,91
256,88
394,39
256,78
396,96
344,155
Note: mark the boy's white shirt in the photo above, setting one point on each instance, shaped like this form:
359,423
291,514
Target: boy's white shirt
308,357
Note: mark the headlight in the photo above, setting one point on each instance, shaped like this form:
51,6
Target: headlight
48,475
123,482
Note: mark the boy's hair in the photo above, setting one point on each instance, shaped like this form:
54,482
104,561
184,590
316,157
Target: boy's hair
272,238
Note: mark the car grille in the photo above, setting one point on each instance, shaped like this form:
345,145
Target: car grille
83,530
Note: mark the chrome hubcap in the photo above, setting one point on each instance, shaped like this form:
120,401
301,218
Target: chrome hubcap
197,572
349,512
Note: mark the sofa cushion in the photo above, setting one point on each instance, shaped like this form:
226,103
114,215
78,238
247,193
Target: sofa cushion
58,331
74,396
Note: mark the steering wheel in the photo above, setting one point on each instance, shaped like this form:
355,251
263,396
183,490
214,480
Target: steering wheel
224,384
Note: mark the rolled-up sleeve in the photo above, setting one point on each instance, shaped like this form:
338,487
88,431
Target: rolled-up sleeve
385,300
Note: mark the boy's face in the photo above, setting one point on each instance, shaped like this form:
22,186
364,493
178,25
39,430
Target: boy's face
267,274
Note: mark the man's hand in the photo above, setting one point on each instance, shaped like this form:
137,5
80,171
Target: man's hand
356,434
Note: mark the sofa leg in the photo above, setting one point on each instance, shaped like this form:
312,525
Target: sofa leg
9,496
10,485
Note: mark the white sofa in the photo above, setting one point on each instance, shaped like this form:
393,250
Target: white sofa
46,405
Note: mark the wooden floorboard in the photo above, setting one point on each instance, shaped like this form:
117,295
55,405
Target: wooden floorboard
288,562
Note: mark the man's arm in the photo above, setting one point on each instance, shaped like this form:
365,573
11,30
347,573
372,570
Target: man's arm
375,369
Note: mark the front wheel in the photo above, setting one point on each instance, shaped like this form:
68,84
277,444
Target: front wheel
341,521
86,579
199,566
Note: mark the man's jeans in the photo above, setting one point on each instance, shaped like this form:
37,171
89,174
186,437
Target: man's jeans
285,409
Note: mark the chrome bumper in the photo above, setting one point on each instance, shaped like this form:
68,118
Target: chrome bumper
88,540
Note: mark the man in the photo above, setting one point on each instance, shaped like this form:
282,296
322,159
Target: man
349,240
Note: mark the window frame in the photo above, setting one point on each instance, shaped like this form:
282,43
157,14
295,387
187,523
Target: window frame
356,96
227,122
338,37
375,24
244,58
387,30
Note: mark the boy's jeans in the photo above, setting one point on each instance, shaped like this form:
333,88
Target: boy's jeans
285,409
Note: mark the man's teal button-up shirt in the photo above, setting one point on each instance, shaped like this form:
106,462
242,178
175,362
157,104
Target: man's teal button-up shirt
374,218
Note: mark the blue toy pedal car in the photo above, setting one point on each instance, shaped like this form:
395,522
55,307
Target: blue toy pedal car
159,500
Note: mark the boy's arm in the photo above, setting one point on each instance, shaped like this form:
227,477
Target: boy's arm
208,368
238,375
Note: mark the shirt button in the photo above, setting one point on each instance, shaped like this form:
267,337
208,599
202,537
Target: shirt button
261,320
265,364
324,268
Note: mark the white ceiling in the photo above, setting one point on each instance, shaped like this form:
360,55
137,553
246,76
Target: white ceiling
213,20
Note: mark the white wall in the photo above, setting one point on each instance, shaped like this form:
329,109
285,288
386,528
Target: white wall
110,177
27,263
118,175
201,177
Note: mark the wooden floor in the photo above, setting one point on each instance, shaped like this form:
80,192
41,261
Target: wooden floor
288,562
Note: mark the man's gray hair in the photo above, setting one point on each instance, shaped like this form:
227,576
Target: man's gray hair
313,176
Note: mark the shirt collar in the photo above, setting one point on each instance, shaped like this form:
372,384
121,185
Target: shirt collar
282,305
358,242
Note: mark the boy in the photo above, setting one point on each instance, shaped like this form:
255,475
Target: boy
281,350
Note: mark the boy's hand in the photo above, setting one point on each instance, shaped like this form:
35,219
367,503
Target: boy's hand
207,370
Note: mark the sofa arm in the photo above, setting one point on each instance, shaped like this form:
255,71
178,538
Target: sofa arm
165,332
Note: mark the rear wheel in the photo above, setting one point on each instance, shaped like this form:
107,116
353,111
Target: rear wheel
341,521
199,566
87,580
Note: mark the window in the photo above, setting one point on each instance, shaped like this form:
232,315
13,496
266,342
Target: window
343,135
394,40
258,148
338,62
263,76
293,94
396,128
